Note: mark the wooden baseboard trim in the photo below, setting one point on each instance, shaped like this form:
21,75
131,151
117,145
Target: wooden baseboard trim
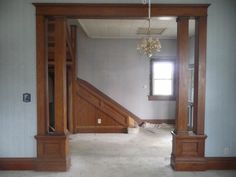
159,121
221,163
17,163
53,165
188,164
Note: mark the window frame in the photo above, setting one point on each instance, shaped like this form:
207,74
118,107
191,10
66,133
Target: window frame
152,97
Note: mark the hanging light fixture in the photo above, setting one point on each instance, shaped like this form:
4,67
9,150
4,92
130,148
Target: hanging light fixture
149,45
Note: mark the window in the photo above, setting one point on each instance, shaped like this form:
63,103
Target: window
162,79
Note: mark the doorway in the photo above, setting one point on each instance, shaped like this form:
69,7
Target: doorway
187,150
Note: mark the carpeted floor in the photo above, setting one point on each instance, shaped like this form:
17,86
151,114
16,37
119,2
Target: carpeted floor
146,154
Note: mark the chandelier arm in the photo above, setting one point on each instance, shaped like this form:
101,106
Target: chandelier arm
149,9
149,45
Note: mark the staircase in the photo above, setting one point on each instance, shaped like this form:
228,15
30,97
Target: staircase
98,113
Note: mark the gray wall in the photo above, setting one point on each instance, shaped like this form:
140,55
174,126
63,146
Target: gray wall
17,75
115,67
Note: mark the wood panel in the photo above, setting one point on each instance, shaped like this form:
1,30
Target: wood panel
17,163
182,74
199,75
120,10
53,153
93,105
86,113
100,95
188,152
221,163
42,76
60,76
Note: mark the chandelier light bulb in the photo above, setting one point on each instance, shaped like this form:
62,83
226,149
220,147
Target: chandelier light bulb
149,46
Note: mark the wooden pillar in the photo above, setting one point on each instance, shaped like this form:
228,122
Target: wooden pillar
52,147
182,72
188,148
60,76
42,75
199,75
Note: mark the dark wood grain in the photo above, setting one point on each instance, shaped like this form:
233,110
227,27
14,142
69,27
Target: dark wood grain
120,10
182,74
42,76
60,76
200,75
221,163
17,163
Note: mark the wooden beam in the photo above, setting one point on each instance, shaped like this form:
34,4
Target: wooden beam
119,10
200,75
182,72
42,76
60,76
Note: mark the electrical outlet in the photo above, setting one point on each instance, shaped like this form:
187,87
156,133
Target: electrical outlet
226,150
99,121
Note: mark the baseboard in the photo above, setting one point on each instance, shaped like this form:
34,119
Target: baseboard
159,121
53,165
17,163
221,163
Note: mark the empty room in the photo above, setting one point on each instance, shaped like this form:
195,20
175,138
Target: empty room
117,88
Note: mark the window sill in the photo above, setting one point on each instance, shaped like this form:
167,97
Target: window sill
160,98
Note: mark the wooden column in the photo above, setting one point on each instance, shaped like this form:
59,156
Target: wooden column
42,75
200,75
60,76
188,148
182,72
53,147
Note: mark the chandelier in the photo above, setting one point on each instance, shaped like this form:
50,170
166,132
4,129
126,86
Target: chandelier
149,45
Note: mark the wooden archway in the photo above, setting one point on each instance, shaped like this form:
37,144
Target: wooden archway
53,149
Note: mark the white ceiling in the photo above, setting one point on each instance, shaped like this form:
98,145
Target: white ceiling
127,28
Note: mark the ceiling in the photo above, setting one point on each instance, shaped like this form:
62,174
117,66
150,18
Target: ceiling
127,28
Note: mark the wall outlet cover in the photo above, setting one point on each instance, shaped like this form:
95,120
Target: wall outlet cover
99,121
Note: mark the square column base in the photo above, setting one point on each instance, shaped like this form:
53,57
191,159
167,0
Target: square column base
53,153
188,152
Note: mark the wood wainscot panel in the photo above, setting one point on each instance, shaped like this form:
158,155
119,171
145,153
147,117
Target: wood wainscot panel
221,163
17,163
188,152
53,153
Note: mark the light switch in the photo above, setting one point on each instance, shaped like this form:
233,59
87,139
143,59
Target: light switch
26,97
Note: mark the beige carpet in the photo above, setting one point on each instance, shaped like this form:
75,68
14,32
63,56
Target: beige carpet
146,154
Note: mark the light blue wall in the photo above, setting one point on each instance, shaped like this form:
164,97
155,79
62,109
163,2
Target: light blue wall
17,75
